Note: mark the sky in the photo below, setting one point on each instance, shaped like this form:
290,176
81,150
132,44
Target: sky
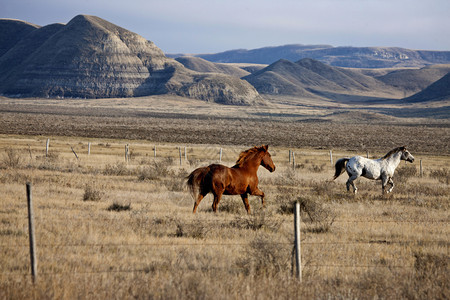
211,26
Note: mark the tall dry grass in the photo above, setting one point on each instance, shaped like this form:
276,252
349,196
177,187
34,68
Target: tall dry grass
107,228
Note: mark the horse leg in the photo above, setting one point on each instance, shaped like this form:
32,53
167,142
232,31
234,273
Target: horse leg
384,182
258,192
350,182
392,185
216,201
197,202
246,204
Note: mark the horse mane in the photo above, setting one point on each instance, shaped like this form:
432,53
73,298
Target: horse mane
393,151
245,155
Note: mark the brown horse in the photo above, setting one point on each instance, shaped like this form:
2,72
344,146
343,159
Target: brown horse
241,179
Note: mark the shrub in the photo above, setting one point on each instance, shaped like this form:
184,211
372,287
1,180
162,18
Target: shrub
91,193
11,158
443,175
321,217
119,207
258,220
118,169
403,173
266,257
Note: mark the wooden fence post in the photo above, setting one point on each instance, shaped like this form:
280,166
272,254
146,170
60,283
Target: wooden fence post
421,169
74,153
31,234
220,155
46,147
126,153
179,150
293,160
331,157
154,151
290,154
89,148
297,252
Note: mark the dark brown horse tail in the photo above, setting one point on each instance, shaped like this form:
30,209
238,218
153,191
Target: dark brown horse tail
340,167
196,178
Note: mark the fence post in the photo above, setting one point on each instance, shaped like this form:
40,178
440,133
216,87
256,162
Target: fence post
46,147
367,154
179,150
74,153
297,252
290,154
331,157
185,154
421,169
220,155
126,153
31,234
89,148
293,160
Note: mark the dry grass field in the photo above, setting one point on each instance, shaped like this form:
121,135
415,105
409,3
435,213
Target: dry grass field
107,229
111,229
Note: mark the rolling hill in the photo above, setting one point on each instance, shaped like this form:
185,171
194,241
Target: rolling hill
91,58
351,57
308,77
439,90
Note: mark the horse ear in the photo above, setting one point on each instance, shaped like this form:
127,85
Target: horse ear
266,147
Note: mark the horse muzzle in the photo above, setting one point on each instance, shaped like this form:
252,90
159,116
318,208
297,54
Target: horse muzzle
410,159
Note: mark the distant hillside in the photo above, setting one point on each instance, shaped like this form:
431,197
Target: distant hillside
439,90
308,77
91,58
13,31
414,80
352,57
200,65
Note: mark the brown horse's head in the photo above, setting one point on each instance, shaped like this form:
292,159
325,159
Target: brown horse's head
266,160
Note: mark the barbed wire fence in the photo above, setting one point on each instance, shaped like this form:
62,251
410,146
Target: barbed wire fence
218,154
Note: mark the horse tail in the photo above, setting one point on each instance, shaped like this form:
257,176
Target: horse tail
196,179
340,166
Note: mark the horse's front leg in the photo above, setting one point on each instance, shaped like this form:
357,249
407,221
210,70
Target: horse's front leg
246,204
390,181
258,192
384,181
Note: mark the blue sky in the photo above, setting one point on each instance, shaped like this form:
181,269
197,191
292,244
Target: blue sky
209,26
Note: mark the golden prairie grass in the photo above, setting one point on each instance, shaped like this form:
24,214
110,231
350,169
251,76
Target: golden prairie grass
107,228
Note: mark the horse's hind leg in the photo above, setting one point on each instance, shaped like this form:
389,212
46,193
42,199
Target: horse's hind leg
350,182
216,201
197,202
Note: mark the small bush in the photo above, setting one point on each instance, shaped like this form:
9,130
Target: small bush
443,175
154,171
403,173
118,169
119,207
321,217
11,158
91,193
258,220
266,257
